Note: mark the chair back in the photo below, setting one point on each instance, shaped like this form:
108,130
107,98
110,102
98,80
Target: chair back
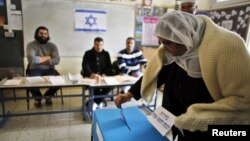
115,68
28,70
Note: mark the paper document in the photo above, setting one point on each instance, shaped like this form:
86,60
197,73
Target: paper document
162,120
55,80
75,77
124,118
88,81
12,82
111,80
35,79
125,78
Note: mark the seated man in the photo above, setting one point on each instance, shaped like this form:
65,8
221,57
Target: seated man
131,60
96,64
189,6
42,57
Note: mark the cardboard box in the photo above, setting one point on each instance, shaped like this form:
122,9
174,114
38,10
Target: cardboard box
108,125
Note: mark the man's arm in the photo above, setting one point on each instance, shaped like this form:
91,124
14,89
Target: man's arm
122,64
45,60
36,59
55,57
86,66
31,54
108,70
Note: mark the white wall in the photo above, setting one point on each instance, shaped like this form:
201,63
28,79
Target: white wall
73,64
164,3
202,4
228,3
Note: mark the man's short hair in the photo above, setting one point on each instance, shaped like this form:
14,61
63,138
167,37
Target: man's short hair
98,39
130,38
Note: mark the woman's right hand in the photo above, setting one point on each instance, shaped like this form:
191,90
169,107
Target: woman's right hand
122,98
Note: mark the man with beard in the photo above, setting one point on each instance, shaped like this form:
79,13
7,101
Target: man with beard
189,6
42,57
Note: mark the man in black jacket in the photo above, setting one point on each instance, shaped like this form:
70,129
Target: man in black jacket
96,64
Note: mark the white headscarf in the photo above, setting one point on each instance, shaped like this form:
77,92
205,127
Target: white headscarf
183,28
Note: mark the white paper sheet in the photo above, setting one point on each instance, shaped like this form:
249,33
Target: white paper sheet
13,82
56,80
125,78
162,120
111,80
17,21
35,79
88,81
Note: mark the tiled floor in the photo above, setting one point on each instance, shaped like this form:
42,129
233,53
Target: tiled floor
48,127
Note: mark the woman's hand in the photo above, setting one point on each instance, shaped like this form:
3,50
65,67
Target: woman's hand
122,98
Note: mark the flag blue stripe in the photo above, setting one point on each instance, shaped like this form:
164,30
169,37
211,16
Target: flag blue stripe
87,29
90,11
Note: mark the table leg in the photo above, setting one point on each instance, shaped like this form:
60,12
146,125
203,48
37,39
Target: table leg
91,101
3,117
84,110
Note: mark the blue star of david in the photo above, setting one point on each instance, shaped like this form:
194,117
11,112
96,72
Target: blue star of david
91,20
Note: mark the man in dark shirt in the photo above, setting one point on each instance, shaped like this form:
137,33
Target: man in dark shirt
96,64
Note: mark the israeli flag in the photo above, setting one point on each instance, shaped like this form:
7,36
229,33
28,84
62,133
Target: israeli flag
90,20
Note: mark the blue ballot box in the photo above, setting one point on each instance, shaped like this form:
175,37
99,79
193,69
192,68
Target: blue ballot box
108,125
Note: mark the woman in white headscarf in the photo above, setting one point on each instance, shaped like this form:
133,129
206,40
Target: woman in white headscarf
205,69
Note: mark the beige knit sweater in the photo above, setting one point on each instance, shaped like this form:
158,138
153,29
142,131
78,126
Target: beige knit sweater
225,68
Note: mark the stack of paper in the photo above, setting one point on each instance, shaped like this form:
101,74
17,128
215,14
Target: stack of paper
56,80
13,82
111,80
35,79
125,78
